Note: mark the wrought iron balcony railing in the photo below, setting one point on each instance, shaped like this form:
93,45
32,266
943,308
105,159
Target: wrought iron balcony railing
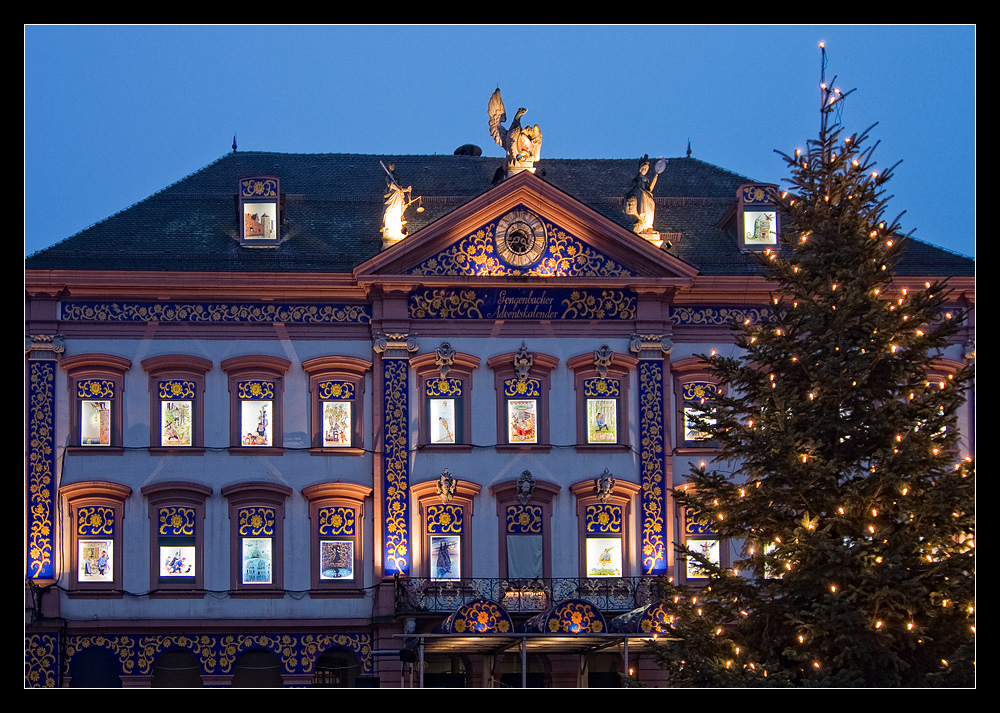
615,595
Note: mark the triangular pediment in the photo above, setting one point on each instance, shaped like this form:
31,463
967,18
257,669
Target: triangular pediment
525,228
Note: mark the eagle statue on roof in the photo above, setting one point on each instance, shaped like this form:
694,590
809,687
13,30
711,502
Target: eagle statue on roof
522,144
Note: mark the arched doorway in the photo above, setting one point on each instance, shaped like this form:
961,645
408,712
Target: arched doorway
177,669
336,669
257,669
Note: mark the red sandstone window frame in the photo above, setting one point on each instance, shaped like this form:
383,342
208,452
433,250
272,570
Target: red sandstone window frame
621,369
686,371
337,495
169,495
683,538
177,367
541,369
256,368
505,494
622,496
257,495
96,368
424,495
427,372
99,496
337,368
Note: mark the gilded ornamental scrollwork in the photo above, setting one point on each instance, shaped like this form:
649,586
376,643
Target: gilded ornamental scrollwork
41,467
208,312
652,466
564,255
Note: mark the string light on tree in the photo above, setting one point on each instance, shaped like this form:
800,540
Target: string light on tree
865,526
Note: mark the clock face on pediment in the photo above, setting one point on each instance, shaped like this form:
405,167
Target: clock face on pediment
525,228
520,238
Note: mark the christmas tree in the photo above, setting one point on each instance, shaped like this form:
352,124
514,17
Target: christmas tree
841,482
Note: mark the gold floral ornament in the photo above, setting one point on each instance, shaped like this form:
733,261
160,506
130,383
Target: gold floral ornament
176,389
176,521
337,521
95,521
445,519
95,388
603,518
255,389
524,519
258,187
256,521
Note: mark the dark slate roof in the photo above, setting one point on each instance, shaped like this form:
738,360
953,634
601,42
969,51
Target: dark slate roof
333,213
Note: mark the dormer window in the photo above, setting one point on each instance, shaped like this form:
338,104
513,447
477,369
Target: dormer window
259,223
757,218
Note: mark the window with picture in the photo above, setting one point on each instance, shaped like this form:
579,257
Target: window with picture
602,386
443,525
603,525
177,515
603,511
445,383
445,516
336,513
260,210
96,384
699,536
96,510
256,514
695,390
522,384
337,388
177,388
256,385
697,398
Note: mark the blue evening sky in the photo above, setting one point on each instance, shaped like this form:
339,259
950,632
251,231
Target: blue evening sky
114,114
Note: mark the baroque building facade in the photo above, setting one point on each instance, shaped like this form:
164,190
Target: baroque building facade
302,447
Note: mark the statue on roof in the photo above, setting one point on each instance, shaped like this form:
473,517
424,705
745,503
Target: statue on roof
397,200
522,144
639,201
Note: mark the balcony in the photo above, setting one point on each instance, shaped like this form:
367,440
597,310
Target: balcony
612,595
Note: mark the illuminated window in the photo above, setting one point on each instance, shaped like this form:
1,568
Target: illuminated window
176,537
337,390
604,522
256,515
757,219
259,212
256,384
602,388
445,547
96,383
522,399
694,391
336,514
698,534
96,510
445,412
177,402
